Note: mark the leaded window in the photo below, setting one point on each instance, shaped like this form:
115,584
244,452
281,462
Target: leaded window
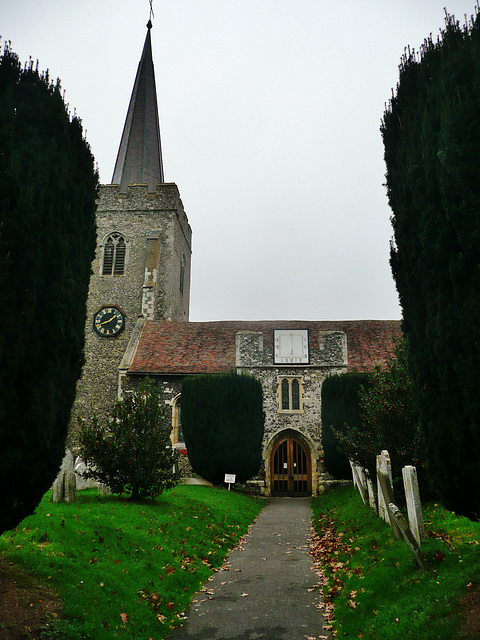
290,391
114,252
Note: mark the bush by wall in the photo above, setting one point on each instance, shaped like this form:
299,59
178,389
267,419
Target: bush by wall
132,452
222,422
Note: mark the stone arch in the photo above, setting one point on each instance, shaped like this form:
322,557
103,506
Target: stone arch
307,442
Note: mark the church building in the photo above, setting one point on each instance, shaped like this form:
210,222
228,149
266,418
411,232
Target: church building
138,315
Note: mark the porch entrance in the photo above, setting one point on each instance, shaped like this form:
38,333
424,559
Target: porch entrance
291,468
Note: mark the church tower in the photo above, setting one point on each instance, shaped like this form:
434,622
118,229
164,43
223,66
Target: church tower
141,269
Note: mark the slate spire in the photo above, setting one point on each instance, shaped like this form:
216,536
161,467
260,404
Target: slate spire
139,158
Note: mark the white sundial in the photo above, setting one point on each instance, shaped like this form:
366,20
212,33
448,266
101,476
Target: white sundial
291,346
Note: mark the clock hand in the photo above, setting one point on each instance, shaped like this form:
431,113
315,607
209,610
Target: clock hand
105,321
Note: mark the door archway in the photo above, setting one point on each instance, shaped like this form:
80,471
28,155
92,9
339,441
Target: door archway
290,467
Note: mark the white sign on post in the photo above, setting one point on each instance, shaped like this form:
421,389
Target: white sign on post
229,479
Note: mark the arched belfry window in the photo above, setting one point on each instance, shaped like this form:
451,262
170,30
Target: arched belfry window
114,252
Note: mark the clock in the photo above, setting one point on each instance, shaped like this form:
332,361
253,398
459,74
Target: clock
109,321
290,346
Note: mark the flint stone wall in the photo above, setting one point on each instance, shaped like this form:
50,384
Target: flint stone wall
142,218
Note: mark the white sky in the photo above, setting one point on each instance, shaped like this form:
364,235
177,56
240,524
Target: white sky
270,113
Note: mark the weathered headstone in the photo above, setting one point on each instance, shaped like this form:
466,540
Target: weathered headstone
69,486
359,480
386,492
82,482
57,490
372,501
362,482
414,505
60,485
354,474
385,466
407,534
103,489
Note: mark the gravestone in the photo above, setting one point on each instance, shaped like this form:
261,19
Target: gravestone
414,505
103,489
372,501
407,534
57,490
359,480
69,486
83,483
385,490
64,486
385,466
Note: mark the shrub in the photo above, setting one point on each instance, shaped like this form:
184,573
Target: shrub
132,452
222,421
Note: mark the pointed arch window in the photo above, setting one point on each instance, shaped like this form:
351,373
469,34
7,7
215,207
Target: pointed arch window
114,252
290,394
177,433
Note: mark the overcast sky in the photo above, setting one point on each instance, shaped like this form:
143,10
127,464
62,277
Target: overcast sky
270,113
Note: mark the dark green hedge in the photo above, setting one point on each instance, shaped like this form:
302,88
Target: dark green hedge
47,241
340,407
431,133
222,422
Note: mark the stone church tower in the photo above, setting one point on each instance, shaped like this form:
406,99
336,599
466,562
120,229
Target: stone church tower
141,268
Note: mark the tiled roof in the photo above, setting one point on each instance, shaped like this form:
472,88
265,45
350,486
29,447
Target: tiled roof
180,348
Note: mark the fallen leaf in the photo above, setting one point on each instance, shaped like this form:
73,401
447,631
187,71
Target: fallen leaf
244,594
124,617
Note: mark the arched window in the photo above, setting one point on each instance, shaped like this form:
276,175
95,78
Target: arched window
114,251
177,435
290,394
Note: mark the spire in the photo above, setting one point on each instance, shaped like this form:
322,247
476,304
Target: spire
139,158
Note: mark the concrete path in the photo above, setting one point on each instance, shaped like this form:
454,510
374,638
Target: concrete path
267,589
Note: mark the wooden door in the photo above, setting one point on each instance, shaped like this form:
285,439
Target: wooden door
290,468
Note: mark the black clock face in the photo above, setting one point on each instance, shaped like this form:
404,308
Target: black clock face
109,321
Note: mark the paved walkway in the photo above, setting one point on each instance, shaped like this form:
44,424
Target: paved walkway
267,589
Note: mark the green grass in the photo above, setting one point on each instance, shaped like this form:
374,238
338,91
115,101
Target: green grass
377,589
126,570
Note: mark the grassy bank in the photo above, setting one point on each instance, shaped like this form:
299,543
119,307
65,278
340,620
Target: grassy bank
373,582
126,570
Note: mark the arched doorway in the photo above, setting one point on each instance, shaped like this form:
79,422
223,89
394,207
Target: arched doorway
290,467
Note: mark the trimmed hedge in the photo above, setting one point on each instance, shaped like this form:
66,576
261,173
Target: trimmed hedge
431,134
47,242
222,422
340,407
